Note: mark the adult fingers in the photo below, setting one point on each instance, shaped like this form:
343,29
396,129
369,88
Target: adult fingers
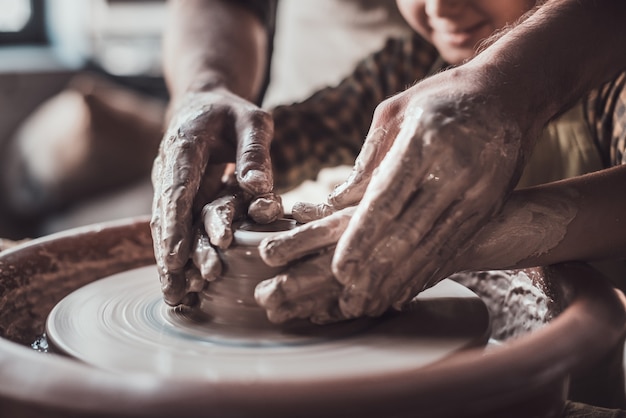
307,290
372,153
310,238
218,217
389,195
176,176
266,208
205,258
305,212
254,167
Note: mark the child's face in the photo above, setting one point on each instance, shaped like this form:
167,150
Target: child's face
456,27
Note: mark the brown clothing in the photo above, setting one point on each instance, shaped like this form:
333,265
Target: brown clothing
329,128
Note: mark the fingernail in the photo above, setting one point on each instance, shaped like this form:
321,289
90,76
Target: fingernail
173,288
255,182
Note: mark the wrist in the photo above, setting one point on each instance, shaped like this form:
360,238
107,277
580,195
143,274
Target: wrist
205,83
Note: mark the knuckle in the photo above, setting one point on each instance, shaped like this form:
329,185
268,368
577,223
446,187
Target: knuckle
260,118
386,110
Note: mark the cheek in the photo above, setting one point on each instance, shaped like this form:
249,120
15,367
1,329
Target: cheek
414,12
509,13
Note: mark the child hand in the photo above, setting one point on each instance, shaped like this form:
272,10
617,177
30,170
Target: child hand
307,290
435,167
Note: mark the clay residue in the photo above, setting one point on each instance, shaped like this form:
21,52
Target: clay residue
36,276
310,238
525,228
305,212
515,304
218,217
266,208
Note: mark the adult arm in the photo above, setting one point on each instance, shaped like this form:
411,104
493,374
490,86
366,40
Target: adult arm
214,61
449,150
581,218
457,143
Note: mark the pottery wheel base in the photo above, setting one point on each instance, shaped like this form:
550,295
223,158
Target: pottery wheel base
121,324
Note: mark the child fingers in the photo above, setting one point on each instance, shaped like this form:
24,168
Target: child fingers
307,239
310,279
304,212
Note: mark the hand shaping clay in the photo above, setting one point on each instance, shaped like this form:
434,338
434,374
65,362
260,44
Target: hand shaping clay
230,298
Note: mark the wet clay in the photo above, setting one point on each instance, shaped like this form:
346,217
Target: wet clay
266,208
517,305
538,226
34,277
229,299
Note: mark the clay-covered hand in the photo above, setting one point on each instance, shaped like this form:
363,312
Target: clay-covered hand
206,131
438,163
216,222
307,291
308,288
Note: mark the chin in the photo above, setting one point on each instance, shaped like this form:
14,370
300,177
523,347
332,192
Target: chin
457,57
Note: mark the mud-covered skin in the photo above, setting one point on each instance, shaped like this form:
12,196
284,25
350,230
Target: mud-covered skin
435,169
377,144
218,217
531,223
308,290
206,131
452,162
308,239
304,212
266,208
538,224
205,258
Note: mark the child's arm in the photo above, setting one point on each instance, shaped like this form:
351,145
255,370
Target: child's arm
328,128
582,218
576,219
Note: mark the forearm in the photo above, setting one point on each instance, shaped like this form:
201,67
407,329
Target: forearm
214,43
554,57
576,219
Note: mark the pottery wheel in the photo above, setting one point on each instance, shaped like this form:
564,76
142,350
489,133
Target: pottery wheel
120,323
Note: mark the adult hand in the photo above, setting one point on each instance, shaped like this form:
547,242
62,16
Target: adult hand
438,162
449,158
308,289
206,131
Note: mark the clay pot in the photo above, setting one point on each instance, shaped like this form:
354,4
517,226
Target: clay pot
229,300
525,377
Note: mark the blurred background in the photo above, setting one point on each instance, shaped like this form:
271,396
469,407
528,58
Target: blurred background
69,69
82,99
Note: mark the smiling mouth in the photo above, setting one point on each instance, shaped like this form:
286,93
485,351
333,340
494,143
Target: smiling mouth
463,37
